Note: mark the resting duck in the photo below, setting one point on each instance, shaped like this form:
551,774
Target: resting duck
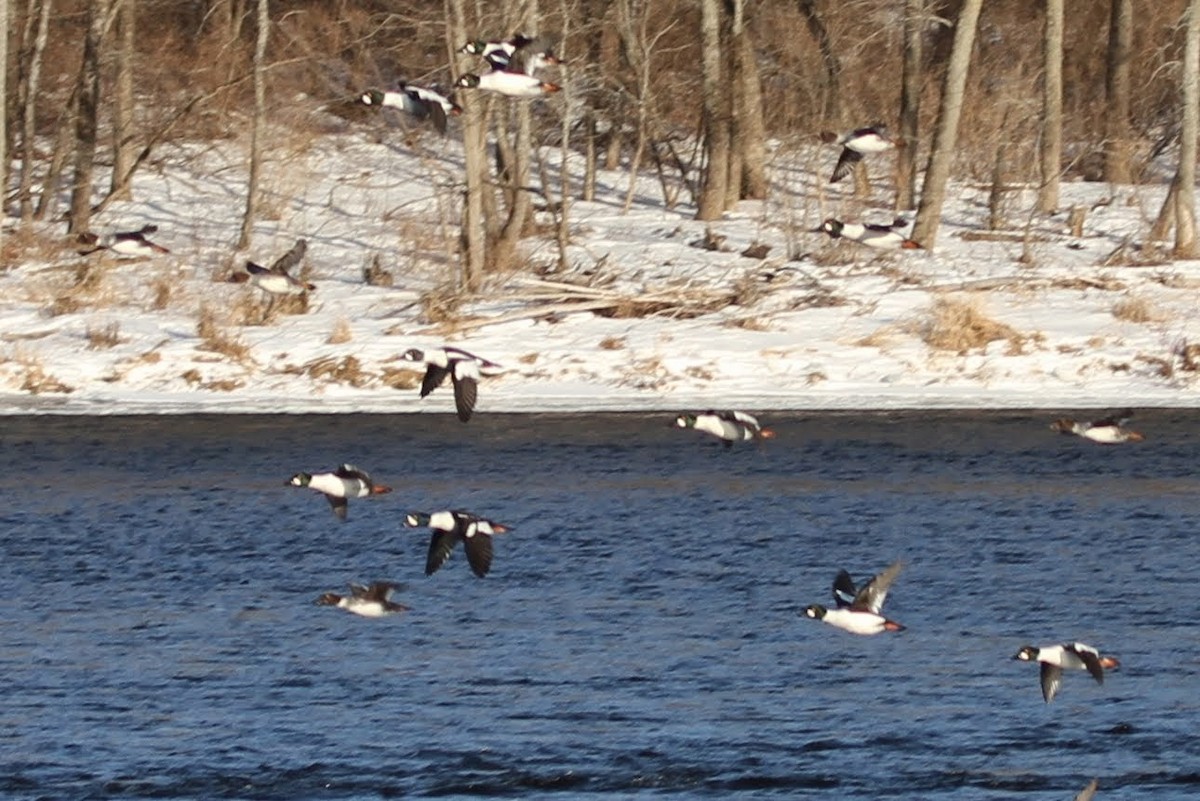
1108,430
859,611
1071,655
465,370
876,235
346,482
730,427
370,601
856,144
453,527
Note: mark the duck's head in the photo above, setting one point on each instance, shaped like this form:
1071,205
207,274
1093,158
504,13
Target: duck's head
300,480
468,81
372,97
832,227
473,47
329,599
1027,654
816,612
413,355
1063,425
415,519
685,421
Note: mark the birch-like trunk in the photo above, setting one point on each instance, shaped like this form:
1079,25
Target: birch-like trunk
945,137
123,150
29,105
716,122
473,239
1052,108
1185,201
258,127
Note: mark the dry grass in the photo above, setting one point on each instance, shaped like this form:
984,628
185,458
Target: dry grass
879,338
34,378
341,333
400,377
375,275
163,288
960,326
441,305
612,343
214,336
104,337
1136,310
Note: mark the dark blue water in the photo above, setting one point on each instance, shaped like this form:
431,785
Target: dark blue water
639,634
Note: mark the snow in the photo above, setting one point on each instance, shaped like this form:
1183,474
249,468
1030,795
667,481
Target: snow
836,327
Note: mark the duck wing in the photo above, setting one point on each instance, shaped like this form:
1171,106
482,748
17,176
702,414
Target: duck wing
441,545
479,553
1051,681
872,594
339,505
434,376
844,590
1091,659
1116,420
290,259
845,164
349,471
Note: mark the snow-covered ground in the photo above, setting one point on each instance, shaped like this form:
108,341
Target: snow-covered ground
1093,322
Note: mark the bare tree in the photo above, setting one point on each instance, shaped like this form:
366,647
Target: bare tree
833,65
474,233
88,94
3,122
1180,205
123,149
716,121
748,138
910,105
937,172
1052,108
1117,88
258,127
27,95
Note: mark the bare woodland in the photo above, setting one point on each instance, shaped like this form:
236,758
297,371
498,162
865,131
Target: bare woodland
1006,91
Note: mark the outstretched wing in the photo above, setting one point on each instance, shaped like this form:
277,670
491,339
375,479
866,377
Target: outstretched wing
434,376
843,589
441,545
339,505
874,592
1091,659
1117,419
351,472
290,259
466,390
1051,681
845,164
479,553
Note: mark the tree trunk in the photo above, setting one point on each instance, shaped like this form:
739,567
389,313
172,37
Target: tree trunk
748,133
88,93
1117,86
1052,111
937,171
259,125
3,125
716,124
474,234
1185,201
123,149
28,96
910,106
833,66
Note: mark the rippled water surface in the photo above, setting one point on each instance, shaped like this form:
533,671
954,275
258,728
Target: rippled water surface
639,635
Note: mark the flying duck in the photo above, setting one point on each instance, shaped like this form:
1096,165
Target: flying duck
419,101
521,53
453,527
465,370
856,144
730,427
876,235
346,482
858,611
1071,655
1108,431
508,83
370,601
123,243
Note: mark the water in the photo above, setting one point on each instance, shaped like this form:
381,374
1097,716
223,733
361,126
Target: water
639,635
